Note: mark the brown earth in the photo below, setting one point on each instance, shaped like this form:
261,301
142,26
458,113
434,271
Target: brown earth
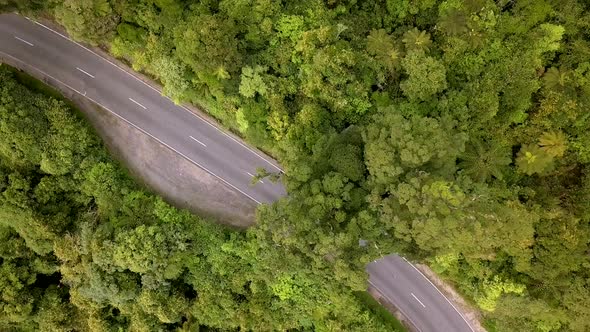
180,182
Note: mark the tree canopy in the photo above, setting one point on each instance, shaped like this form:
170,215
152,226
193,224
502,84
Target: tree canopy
454,132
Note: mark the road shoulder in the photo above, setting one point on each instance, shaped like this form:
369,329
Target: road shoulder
160,169
472,315
379,297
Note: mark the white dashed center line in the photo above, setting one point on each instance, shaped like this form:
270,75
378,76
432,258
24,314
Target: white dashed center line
422,304
145,108
196,140
140,105
24,41
85,72
253,176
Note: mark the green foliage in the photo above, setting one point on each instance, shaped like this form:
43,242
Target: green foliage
252,82
175,76
459,104
482,161
556,78
88,20
395,145
553,143
210,50
23,5
454,22
416,40
84,249
493,289
426,76
381,45
532,160
347,160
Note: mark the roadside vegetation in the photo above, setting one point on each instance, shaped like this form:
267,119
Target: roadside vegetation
453,131
83,248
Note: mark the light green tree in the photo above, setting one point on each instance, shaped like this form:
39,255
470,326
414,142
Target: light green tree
252,82
533,160
553,143
416,40
426,76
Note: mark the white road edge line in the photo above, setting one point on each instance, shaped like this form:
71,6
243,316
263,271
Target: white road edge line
39,70
24,41
396,306
140,129
85,72
196,140
226,134
140,105
160,93
417,299
253,176
443,295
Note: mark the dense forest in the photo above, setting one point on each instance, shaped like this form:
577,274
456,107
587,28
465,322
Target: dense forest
82,248
455,132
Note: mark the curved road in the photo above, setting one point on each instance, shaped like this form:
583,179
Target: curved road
80,69
121,93
402,284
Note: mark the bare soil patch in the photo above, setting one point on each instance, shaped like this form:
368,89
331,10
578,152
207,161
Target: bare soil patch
180,182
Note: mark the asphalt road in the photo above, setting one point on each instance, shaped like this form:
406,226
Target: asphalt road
204,144
101,81
415,296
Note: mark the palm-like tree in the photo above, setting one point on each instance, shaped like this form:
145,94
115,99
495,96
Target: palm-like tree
379,42
554,143
417,40
531,159
481,161
381,45
556,78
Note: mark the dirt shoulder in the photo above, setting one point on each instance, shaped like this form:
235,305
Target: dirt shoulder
160,169
376,294
471,314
